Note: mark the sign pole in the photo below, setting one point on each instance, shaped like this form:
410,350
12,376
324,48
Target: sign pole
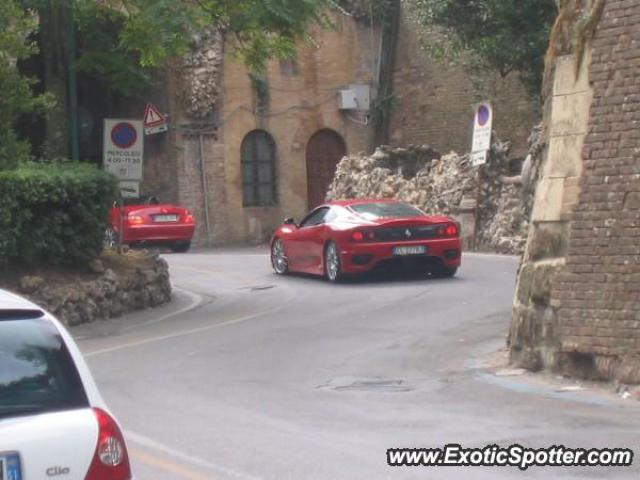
120,237
480,147
476,223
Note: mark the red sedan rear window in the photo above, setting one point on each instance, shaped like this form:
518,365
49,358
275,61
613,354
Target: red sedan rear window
385,210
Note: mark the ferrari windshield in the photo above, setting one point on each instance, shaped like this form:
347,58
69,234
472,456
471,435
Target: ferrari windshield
385,210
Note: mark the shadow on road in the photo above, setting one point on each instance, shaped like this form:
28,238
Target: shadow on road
377,277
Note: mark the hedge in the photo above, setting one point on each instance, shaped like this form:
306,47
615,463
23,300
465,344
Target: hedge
54,214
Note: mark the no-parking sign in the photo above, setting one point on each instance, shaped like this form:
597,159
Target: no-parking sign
123,150
482,125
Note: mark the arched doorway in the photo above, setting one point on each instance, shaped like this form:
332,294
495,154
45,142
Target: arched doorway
324,150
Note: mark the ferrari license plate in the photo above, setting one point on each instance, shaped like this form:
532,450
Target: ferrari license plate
10,467
165,218
415,250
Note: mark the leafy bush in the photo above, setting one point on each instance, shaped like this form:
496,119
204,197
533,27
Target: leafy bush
54,214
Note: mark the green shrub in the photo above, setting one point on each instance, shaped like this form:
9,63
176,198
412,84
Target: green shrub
54,214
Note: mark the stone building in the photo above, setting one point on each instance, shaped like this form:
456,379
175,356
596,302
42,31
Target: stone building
247,151
577,308
265,147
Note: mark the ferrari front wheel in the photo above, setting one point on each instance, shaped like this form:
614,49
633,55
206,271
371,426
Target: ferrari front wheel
278,258
332,266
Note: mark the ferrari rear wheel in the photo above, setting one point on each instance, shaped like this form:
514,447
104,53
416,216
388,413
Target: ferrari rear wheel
332,267
278,258
446,272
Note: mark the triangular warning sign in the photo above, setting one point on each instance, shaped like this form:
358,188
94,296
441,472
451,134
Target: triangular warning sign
153,117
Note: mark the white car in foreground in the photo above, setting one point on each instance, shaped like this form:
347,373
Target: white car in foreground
53,421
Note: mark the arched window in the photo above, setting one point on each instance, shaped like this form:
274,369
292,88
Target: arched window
258,159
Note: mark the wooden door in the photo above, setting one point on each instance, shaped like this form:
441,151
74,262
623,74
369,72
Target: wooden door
324,150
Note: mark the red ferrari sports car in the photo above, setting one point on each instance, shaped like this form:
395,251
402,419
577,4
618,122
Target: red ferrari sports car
149,222
355,236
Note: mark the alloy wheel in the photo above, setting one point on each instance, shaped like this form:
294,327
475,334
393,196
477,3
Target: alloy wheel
332,262
278,258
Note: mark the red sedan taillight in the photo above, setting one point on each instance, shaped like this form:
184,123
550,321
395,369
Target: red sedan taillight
135,220
110,461
188,218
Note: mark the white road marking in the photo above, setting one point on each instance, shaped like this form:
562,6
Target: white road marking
184,333
195,301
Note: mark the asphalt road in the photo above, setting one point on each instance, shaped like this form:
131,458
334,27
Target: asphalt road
247,375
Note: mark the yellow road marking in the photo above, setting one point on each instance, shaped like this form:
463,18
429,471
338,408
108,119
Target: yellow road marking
166,466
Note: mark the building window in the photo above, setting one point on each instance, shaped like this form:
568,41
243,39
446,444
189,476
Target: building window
258,159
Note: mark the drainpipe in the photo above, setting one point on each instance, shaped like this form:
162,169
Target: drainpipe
205,187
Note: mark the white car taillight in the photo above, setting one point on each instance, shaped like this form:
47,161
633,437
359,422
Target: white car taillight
111,461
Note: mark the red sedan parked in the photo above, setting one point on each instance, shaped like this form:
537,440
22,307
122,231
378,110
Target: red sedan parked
355,236
149,222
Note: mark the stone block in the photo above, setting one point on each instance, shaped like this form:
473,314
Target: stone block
570,114
565,157
549,240
566,82
540,290
548,202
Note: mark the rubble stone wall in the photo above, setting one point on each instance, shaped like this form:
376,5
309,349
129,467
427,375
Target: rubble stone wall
578,305
444,185
108,295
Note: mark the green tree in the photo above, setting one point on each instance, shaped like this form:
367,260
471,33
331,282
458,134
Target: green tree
155,30
121,41
16,95
501,35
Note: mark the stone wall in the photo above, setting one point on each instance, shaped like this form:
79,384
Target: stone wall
436,100
142,284
578,302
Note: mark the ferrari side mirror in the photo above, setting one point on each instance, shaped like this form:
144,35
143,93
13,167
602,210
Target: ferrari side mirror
289,221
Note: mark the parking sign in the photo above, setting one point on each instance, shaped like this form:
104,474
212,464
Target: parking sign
123,149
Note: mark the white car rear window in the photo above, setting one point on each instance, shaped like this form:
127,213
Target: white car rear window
37,374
